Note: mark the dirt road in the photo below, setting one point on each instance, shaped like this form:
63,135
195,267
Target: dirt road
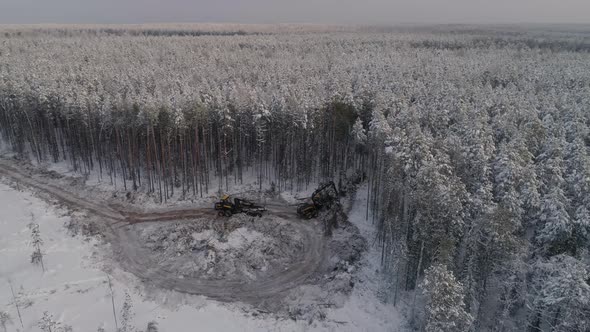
137,259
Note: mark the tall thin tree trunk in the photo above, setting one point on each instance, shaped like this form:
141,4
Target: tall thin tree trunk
20,318
412,315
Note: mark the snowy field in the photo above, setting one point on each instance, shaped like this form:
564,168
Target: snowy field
75,291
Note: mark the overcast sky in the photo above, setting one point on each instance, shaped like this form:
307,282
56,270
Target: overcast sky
295,11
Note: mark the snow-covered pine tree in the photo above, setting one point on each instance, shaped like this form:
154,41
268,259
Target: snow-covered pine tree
556,225
508,175
577,181
359,137
445,309
562,295
359,133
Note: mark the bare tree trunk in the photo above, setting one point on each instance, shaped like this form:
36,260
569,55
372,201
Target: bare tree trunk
20,318
412,315
113,303
36,146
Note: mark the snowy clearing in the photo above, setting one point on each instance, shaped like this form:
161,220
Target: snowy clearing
75,290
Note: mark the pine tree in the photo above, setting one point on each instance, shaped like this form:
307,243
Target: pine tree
562,300
514,181
497,241
445,310
440,202
556,227
581,230
359,133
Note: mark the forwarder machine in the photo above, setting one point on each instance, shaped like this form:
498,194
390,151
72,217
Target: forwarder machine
324,196
239,205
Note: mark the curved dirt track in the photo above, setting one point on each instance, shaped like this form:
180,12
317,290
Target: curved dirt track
138,260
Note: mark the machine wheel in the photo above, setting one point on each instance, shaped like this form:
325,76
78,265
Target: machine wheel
220,213
227,213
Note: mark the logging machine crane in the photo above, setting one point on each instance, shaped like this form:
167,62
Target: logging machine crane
324,196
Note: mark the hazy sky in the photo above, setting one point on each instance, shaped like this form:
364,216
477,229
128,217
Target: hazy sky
283,11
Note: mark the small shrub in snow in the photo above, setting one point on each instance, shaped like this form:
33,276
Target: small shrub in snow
47,324
36,242
152,327
5,320
126,314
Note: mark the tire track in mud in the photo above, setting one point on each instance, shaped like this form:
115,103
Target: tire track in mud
137,260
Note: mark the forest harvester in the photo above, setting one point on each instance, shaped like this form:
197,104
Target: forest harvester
227,208
324,196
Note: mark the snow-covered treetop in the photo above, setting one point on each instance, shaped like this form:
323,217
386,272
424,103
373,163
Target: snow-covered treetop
292,72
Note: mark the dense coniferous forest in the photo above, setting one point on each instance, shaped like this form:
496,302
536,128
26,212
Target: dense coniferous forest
473,141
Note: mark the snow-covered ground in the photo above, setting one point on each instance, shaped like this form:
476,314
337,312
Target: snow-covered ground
364,311
76,291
